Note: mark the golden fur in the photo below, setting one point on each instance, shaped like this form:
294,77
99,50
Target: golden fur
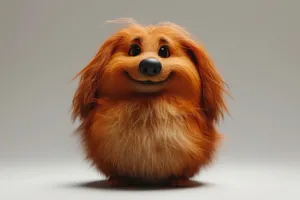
151,132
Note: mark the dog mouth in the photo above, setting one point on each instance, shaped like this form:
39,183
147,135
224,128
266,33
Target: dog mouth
148,82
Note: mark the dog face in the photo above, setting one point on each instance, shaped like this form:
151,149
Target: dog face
154,61
149,61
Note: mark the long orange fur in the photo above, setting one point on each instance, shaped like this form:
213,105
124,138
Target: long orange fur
152,136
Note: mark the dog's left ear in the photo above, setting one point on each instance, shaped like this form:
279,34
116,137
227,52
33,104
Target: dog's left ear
213,86
88,91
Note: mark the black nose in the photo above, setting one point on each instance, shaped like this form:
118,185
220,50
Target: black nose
150,67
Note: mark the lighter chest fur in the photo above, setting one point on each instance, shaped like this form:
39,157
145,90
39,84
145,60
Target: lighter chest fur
145,141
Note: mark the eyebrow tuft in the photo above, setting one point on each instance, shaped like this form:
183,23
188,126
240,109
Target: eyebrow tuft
137,40
163,41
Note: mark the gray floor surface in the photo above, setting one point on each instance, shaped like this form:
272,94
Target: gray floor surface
71,180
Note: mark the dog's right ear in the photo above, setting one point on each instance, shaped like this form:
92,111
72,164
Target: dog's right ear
85,97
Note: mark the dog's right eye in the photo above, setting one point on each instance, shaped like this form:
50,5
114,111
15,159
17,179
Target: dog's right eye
134,50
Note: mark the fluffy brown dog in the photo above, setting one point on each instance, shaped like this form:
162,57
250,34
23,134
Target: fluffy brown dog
148,103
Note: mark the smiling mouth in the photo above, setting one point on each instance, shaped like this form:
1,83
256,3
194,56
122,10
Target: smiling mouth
148,82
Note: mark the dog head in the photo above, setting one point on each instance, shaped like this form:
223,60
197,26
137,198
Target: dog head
146,61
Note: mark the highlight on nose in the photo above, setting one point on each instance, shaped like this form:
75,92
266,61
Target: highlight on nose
150,67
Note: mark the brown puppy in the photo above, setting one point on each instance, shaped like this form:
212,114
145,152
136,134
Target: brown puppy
148,103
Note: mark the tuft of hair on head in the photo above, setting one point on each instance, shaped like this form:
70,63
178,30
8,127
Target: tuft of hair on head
175,26
123,21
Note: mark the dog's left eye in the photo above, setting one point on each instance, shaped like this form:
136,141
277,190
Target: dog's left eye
164,51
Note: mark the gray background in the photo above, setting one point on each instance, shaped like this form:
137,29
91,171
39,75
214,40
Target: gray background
255,45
